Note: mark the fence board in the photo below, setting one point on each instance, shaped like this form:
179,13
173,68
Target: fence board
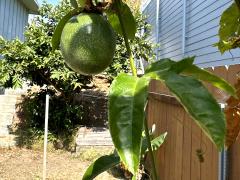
179,143
187,148
234,157
215,162
196,145
177,158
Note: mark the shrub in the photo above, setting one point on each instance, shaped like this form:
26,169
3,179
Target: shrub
63,117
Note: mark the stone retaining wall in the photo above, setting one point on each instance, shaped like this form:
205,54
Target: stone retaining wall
7,111
94,106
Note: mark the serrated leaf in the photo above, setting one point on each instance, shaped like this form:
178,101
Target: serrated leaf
100,165
127,99
17,82
74,3
58,31
55,75
129,22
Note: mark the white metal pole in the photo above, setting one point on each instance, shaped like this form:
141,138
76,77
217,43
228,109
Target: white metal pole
45,138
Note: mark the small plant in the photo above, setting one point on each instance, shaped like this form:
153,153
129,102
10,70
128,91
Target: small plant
128,93
119,170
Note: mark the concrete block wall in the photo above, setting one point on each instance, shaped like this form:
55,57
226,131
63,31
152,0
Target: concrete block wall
7,111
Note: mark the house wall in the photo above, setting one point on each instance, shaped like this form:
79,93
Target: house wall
150,11
196,38
13,19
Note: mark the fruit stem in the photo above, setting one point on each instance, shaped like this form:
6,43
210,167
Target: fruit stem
131,59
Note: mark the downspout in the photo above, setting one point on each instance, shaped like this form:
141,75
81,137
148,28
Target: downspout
184,28
157,26
223,159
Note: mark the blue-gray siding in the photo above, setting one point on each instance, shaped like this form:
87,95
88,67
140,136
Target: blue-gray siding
150,11
13,19
202,19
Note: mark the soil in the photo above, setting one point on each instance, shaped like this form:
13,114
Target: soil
24,164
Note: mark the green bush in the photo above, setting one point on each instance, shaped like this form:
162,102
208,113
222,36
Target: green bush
63,117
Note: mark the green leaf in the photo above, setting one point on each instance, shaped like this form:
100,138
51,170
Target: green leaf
198,102
100,165
127,99
17,82
229,23
4,77
82,3
158,141
129,22
179,66
229,31
223,46
58,31
55,75
186,66
159,66
155,143
194,97
204,75
74,3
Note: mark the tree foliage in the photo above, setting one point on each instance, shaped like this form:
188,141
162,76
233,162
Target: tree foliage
33,60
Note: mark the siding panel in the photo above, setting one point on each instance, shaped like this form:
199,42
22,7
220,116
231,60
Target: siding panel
202,24
170,32
150,11
2,7
202,32
13,19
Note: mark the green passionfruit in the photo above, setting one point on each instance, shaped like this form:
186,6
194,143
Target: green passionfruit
88,43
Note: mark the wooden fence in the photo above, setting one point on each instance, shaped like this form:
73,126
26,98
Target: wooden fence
180,156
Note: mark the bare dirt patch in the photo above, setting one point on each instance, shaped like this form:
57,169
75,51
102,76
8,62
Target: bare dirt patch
18,164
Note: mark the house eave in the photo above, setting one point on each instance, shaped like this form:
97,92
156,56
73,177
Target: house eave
31,5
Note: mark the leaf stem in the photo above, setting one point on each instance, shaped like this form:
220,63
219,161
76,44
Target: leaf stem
155,176
131,59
